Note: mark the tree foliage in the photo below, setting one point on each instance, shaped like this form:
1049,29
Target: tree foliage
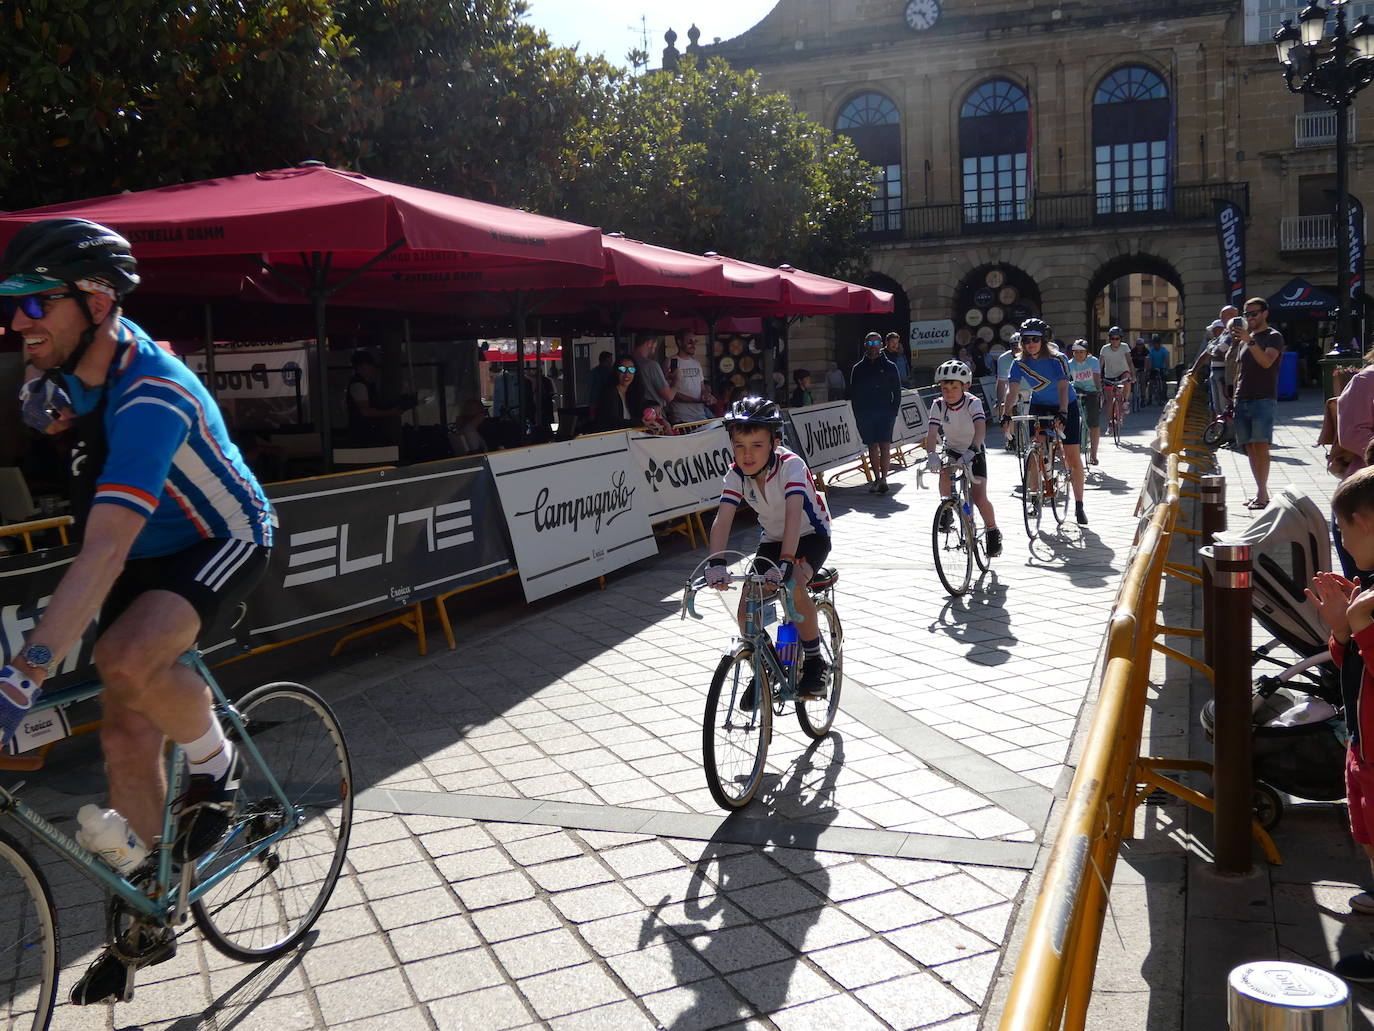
462,96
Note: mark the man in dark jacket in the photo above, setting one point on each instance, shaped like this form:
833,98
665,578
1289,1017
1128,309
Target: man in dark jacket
875,391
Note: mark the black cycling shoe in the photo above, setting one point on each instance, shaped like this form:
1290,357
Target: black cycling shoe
108,978
1080,516
204,812
992,539
749,700
812,683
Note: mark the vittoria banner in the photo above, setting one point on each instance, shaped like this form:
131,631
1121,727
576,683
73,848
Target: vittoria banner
1231,240
825,435
575,510
1356,271
355,546
681,474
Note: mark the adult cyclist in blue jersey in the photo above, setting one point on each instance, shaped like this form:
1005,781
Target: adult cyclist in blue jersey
177,531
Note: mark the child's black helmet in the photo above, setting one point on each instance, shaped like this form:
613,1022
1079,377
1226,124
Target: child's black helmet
755,411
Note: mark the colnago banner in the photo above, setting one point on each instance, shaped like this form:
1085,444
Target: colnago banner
912,417
681,474
356,546
1231,240
825,434
575,510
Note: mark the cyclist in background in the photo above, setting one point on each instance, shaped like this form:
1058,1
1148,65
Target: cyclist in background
1086,372
1159,363
1004,361
794,526
1117,367
958,417
1052,394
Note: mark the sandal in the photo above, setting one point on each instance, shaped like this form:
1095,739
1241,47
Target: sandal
1255,504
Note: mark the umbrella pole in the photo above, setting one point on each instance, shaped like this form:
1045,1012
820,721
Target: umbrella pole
210,353
320,401
410,365
711,350
521,414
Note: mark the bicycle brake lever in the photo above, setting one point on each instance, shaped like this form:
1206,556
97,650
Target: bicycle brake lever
689,605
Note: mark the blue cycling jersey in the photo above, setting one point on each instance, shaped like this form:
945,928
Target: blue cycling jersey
1043,375
170,456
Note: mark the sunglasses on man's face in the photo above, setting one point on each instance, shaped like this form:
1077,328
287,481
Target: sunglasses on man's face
624,368
35,306
1251,313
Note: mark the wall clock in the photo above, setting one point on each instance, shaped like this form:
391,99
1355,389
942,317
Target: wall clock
922,14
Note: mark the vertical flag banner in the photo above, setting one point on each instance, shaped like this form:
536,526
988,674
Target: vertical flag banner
1231,240
1356,270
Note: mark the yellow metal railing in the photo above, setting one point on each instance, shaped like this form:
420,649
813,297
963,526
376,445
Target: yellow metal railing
1052,984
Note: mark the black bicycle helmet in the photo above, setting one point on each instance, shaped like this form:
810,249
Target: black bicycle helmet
67,250
755,411
1033,326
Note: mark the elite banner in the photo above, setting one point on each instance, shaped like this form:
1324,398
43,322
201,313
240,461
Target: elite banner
26,585
825,434
681,474
912,417
351,547
1231,240
575,510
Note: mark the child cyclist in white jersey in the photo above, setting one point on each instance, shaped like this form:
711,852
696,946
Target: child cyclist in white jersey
794,522
958,416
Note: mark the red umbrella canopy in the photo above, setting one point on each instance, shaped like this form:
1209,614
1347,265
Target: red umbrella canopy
861,299
244,221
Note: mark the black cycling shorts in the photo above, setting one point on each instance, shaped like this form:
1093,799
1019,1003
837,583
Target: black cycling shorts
811,549
1072,433
979,466
213,576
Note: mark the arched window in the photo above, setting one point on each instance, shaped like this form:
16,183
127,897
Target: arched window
873,123
1132,138
994,145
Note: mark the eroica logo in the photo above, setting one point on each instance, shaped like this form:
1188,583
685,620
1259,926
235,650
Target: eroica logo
689,469
604,506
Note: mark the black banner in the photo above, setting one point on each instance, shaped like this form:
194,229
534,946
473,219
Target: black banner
1355,219
26,583
1231,240
356,546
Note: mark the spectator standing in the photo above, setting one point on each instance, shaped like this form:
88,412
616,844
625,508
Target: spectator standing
876,393
835,387
801,393
651,388
371,420
468,436
1230,318
1216,349
897,356
601,376
614,405
1257,391
692,396
1085,373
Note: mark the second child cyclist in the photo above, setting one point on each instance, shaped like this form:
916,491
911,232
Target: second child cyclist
958,416
793,520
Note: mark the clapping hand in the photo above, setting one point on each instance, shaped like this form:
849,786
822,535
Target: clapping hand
1361,605
1332,594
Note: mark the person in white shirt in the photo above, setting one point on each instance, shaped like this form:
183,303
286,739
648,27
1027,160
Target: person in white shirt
1115,359
957,417
684,374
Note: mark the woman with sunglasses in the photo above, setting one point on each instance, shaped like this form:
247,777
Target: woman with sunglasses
613,411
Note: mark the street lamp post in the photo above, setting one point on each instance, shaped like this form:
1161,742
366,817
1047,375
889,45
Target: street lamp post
1334,69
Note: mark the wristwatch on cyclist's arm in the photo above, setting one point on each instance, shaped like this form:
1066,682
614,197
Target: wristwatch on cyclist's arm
39,659
1063,415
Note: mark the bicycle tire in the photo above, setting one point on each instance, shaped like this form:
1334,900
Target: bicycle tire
1059,485
953,559
267,904
29,948
1215,433
1031,500
734,742
818,715
975,539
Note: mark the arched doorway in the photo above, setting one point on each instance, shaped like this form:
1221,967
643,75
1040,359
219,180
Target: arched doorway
851,329
1141,293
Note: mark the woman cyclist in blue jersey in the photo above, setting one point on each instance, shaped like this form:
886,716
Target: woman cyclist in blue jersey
1046,371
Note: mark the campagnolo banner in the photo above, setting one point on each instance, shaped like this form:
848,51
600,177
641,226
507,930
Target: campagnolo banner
356,546
575,510
681,474
912,419
825,434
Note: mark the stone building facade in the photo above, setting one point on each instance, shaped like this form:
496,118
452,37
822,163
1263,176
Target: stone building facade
1035,151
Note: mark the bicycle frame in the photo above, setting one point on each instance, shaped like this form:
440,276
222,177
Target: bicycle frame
765,653
166,899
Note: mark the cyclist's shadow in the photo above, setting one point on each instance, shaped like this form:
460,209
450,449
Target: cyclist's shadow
791,906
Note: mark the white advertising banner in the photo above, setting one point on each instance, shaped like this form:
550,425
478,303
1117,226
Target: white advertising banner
826,434
681,474
912,417
256,374
575,510
932,336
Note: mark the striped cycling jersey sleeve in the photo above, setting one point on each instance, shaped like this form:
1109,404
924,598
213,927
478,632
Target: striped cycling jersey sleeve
730,490
159,418
796,477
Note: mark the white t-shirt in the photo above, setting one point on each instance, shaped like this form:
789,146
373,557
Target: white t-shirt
786,475
1116,361
689,378
957,422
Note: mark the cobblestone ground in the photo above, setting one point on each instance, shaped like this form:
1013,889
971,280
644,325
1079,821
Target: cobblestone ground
536,845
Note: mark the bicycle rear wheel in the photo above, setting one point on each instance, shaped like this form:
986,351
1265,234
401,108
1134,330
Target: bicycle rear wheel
1031,500
734,740
28,941
953,559
1059,486
1215,433
817,715
266,904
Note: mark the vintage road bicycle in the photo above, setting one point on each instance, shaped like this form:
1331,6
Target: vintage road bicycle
1116,407
254,896
957,533
735,736
1044,475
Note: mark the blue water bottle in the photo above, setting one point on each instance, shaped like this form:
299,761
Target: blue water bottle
787,643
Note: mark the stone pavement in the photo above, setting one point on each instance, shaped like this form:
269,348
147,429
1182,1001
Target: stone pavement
535,846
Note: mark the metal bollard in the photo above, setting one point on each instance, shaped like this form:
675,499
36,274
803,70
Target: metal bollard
1231,763
1271,995
1213,522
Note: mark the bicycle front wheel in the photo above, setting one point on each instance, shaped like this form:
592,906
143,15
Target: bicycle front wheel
953,559
735,732
1215,432
28,941
817,715
1031,499
265,905
1059,486
974,532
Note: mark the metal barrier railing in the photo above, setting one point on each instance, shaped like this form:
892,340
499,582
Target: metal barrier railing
1052,984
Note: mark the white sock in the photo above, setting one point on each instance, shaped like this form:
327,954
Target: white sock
210,753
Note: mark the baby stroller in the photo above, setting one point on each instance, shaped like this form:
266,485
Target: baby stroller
1298,744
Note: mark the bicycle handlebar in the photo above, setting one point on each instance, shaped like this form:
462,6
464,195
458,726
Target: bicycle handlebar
699,584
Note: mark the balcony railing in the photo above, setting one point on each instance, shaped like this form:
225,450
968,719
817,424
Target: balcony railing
1309,233
1318,128
1056,212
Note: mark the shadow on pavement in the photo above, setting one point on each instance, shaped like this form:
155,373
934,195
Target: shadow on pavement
980,620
